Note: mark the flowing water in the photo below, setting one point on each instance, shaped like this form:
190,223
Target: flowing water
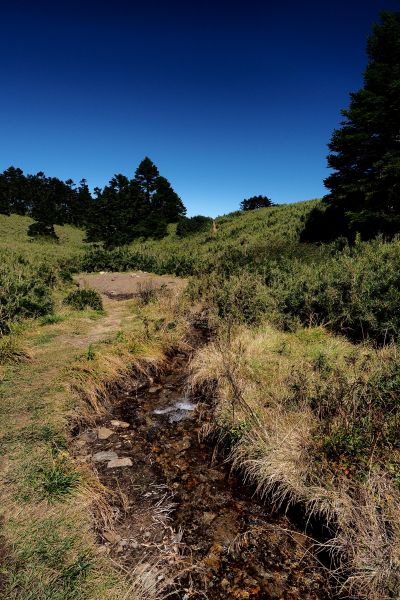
178,504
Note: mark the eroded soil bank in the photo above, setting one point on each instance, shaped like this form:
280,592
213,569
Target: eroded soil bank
178,504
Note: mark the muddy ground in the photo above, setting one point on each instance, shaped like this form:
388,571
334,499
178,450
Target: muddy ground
178,503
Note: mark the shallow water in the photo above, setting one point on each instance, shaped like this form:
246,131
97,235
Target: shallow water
184,509
177,412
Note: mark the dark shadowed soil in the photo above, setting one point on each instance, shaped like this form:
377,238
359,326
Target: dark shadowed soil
178,503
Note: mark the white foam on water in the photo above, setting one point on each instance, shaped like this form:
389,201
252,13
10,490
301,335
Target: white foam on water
185,405
177,412
163,411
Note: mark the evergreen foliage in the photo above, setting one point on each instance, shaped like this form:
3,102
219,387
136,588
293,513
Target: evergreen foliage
25,289
124,210
129,209
255,202
365,152
48,200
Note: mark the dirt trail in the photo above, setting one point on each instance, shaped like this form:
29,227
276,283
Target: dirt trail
177,503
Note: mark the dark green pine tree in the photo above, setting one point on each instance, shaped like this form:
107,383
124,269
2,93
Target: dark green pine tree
364,188
166,201
117,213
84,203
47,200
127,209
162,203
146,176
13,192
255,202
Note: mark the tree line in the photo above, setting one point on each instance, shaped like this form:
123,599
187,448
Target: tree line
48,200
117,214
364,186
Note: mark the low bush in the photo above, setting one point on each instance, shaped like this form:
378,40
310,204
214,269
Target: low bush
355,291
191,225
98,258
84,298
235,299
12,350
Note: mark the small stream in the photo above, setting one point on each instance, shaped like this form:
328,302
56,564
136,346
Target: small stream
178,503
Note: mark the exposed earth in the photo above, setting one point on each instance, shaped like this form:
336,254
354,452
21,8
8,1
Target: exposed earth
178,506
122,286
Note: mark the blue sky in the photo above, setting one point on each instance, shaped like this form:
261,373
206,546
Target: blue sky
228,99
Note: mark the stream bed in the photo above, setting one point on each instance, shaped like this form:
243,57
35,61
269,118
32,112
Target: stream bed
178,505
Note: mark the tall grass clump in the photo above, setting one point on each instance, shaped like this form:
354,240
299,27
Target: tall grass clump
25,289
311,418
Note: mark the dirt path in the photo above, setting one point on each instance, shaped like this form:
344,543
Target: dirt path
177,504
122,286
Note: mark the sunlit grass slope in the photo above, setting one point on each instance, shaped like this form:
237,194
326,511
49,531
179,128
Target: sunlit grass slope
252,239
265,231
13,236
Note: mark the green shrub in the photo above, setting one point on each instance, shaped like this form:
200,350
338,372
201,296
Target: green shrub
81,299
355,292
12,350
57,483
191,225
237,299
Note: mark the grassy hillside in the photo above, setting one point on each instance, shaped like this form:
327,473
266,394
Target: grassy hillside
251,239
13,236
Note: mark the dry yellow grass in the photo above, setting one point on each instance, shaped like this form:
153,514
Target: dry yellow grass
279,399
49,503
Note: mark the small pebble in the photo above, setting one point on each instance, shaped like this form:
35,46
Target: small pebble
120,424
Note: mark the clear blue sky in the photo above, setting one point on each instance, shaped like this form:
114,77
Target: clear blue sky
229,99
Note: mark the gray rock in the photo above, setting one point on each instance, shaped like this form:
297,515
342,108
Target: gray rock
111,537
89,436
103,433
104,455
119,462
120,424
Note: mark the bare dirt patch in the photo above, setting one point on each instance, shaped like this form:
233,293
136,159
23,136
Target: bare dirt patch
122,286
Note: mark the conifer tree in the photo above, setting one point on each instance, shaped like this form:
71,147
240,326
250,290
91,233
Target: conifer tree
166,202
13,192
46,199
364,188
255,202
146,176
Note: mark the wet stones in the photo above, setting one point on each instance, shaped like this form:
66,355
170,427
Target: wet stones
111,537
120,424
103,433
119,462
104,455
183,409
